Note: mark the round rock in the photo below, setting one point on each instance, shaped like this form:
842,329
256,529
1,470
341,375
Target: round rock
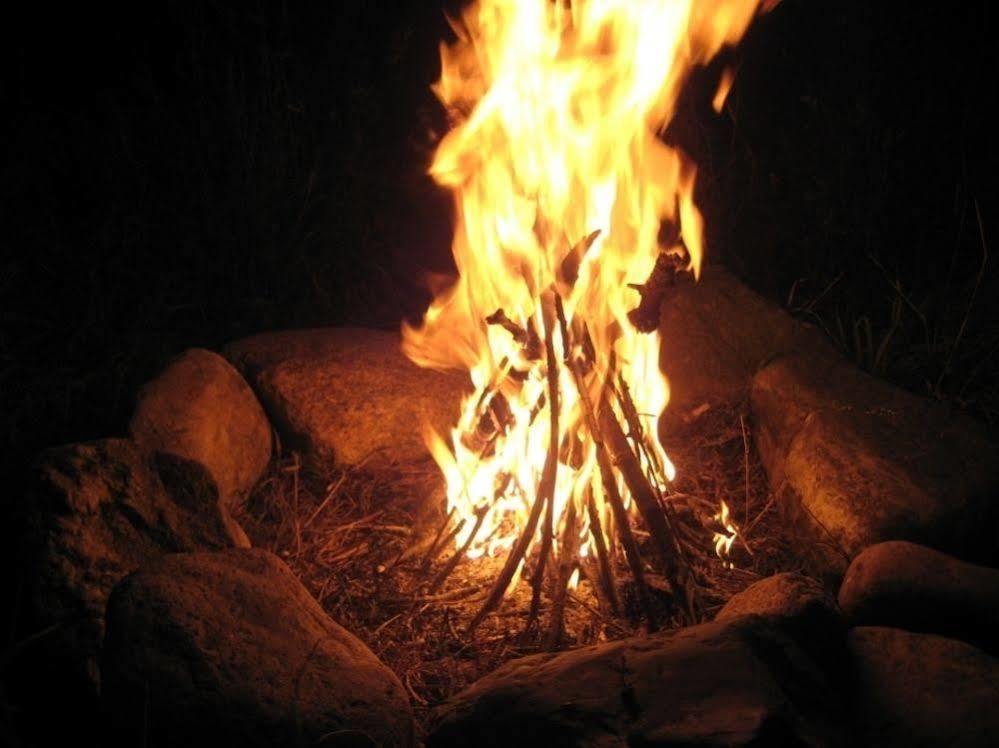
912,587
787,595
923,690
228,648
200,408
96,512
349,395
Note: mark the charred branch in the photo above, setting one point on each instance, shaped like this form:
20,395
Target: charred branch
569,269
647,500
645,317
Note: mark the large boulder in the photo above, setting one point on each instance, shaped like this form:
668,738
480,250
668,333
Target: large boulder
858,461
741,682
716,334
200,409
855,460
348,394
211,649
922,690
912,587
96,512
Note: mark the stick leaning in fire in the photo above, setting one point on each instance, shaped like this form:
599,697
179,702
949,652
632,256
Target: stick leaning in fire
627,454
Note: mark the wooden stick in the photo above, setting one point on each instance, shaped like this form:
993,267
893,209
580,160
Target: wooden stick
567,564
611,493
603,559
443,574
548,529
546,488
451,535
432,550
648,505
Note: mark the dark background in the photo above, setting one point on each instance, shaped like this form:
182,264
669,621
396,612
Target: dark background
184,173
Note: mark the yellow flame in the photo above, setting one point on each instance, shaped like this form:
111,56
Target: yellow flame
724,540
724,87
557,108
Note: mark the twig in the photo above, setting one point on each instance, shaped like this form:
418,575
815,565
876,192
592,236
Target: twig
971,300
329,497
431,551
674,565
548,496
545,488
606,570
443,574
567,565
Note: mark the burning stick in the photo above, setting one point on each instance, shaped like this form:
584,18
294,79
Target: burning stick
647,501
645,317
567,565
604,565
553,452
546,493
611,493
480,515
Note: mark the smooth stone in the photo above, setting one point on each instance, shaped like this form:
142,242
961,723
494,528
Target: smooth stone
912,587
922,690
349,395
200,408
734,683
228,648
95,512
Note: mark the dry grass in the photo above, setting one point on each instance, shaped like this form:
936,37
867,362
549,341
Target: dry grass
358,539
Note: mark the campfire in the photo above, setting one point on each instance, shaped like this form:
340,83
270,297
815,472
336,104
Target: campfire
573,220
610,489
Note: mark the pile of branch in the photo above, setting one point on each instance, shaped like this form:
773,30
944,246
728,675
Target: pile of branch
623,450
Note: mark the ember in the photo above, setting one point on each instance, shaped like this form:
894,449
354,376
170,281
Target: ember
573,219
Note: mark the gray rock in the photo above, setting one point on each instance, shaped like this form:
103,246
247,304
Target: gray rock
912,587
802,608
97,511
716,334
348,394
228,648
740,682
923,690
858,461
200,408
788,595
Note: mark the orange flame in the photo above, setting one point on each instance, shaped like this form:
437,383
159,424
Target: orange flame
556,109
724,87
724,540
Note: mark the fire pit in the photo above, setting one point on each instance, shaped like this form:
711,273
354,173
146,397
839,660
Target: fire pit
602,493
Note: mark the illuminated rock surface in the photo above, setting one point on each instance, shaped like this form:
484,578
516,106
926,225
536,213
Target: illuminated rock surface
716,684
717,333
230,649
859,461
855,459
200,408
348,394
919,589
